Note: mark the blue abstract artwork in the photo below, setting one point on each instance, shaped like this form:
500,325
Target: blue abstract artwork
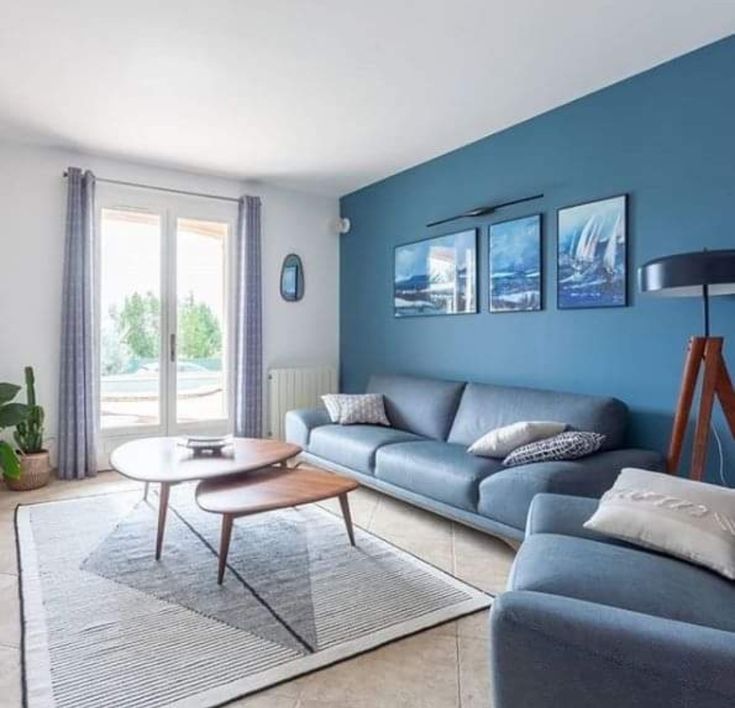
437,276
515,265
592,261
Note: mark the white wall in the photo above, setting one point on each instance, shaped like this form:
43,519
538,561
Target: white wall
32,213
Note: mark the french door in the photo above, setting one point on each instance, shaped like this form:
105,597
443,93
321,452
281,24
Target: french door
165,314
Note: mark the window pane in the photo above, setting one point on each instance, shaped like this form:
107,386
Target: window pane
130,318
201,282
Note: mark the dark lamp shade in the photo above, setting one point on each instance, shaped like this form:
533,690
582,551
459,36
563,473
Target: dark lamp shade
685,274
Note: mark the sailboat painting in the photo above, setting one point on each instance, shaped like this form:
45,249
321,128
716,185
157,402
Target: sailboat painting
592,261
436,276
515,265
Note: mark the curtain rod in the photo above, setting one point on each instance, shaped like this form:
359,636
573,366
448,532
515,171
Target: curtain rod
140,185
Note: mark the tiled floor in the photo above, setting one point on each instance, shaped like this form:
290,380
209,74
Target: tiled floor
444,667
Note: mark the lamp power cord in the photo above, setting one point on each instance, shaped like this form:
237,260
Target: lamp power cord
721,455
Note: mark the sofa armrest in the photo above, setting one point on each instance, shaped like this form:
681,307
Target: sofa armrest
549,651
565,515
300,423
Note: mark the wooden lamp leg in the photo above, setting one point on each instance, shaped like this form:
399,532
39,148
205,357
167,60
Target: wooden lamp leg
712,359
716,384
695,353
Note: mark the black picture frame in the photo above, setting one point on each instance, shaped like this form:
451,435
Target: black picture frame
406,314
540,304
573,245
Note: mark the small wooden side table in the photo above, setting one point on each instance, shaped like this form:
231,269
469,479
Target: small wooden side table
266,490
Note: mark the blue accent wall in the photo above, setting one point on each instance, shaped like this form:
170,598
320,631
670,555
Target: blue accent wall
667,138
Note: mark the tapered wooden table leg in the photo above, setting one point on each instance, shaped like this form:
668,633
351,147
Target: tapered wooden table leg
162,509
224,545
145,491
345,504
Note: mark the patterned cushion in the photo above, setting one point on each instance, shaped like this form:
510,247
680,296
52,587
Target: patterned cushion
565,446
332,402
364,408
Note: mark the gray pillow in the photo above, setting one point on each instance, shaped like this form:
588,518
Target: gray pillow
332,402
566,446
367,408
690,520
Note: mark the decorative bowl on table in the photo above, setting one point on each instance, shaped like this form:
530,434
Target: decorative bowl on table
206,444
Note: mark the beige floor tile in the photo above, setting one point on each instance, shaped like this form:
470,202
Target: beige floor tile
10,615
10,691
393,518
474,626
473,673
482,560
8,562
417,671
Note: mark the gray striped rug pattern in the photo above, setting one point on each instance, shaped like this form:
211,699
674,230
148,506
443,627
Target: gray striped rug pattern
107,625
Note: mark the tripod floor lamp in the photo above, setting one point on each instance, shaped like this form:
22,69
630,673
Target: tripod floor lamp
702,274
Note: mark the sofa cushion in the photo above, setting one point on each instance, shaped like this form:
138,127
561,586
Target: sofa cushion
507,495
422,406
484,407
354,446
438,470
624,577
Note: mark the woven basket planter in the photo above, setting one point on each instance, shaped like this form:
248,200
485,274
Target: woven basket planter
35,473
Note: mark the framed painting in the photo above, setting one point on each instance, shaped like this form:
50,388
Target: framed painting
592,269
515,265
436,276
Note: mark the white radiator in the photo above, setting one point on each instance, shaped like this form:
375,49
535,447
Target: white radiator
296,388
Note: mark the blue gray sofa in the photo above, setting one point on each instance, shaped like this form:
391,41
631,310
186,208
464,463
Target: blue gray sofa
422,458
588,621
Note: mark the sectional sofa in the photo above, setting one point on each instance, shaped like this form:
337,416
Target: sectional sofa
590,621
422,458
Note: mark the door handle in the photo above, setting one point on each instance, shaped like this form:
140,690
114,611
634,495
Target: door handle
172,347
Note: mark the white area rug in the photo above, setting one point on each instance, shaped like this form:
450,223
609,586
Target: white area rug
104,624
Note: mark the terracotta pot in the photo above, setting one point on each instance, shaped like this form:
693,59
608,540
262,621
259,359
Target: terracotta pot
35,472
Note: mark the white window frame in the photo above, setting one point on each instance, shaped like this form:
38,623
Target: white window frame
171,208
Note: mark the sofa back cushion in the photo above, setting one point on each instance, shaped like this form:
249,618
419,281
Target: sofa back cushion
485,406
422,406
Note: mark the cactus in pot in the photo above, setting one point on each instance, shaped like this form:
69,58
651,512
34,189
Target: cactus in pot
34,460
29,432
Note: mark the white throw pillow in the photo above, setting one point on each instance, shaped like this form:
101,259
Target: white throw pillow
501,441
365,408
691,520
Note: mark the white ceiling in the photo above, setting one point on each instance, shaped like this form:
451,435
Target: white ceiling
322,95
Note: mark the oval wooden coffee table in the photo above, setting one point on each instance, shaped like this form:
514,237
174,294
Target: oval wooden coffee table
166,462
267,490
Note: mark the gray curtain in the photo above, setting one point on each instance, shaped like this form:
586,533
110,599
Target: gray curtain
248,323
77,443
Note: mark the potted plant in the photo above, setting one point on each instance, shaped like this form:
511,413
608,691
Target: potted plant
34,459
10,415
